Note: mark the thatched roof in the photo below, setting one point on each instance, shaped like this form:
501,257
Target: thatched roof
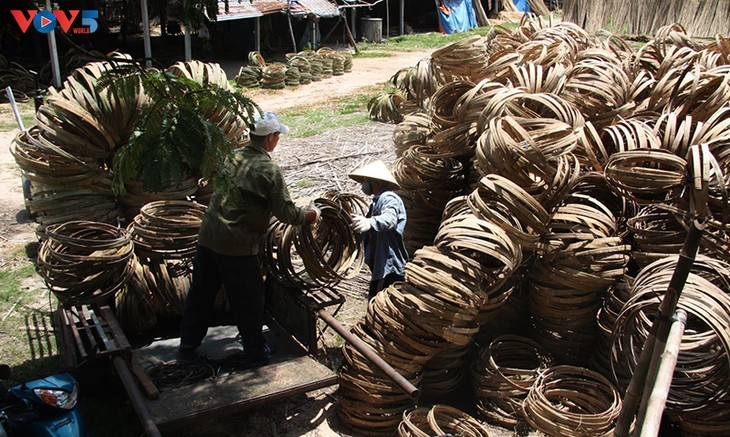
703,18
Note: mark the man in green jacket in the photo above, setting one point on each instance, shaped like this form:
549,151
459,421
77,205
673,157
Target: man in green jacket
228,243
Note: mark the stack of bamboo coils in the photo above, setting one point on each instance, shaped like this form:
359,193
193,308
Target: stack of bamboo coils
568,400
274,76
84,262
445,284
702,375
502,376
316,255
439,420
428,180
68,156
593,158
165,236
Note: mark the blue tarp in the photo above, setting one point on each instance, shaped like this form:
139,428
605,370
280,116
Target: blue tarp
456,16
522,5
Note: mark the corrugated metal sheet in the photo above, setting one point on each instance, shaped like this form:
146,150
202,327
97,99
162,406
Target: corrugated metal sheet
246,9
320,8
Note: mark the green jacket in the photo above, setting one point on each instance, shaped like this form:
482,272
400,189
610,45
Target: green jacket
237,219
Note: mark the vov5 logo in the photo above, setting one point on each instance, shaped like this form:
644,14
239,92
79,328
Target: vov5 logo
45,21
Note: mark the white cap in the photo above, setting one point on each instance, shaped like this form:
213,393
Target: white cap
268,123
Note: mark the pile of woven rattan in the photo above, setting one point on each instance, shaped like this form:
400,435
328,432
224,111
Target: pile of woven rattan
68,156
550,177
300,68
85,256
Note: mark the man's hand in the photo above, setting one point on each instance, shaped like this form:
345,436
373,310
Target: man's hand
313,214
360,223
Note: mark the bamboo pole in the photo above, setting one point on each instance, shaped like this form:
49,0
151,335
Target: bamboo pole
650,415
660,328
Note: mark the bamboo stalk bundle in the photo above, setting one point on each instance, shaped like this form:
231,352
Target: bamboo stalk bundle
468,108
234,126
310,256
84,262
703,369
315,67
385,107
571,401
439,420
502,376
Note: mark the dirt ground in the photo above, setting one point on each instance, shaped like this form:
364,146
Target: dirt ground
304,415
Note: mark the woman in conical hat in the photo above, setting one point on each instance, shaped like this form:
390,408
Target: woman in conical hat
383,227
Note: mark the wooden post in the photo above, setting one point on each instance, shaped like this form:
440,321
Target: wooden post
650,414
352,39
291,29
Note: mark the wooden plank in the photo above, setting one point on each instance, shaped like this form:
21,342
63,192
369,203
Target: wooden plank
238,391
70,321
148,387
116,329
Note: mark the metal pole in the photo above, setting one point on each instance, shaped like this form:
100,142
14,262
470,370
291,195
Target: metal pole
146,34
366,350
650,415
53,51
135,397
14,106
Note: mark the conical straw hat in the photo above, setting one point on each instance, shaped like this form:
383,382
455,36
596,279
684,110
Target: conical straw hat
374,170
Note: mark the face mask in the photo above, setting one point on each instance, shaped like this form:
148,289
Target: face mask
367,188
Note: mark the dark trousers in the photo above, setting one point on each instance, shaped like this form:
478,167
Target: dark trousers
380,284
244,284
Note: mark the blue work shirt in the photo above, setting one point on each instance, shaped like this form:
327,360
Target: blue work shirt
385,252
